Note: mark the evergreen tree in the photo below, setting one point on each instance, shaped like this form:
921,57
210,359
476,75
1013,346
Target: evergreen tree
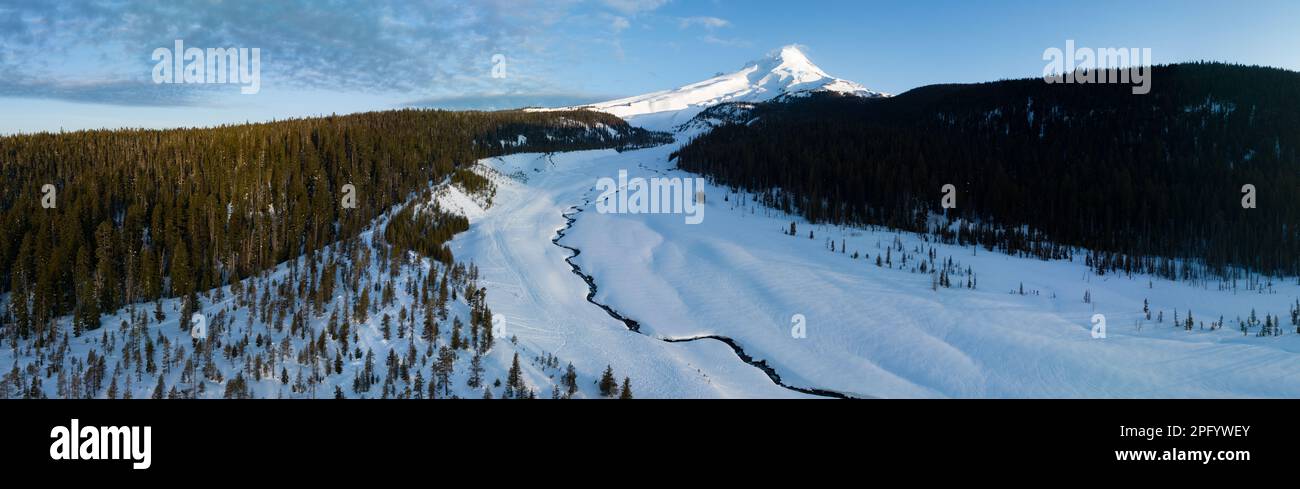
570,380
430,330
608,385
475,371
626,391
514,380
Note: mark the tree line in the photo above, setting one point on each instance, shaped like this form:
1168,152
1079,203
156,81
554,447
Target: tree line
94,220
1149,183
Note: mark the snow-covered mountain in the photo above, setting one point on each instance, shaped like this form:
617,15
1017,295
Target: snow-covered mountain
549,296
784,72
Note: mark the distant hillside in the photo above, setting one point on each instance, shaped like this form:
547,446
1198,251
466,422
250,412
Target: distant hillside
1135,177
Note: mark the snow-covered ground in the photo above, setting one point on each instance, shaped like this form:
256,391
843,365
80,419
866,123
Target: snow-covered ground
871,331
543,302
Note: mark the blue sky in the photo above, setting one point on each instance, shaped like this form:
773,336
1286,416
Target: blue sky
80,64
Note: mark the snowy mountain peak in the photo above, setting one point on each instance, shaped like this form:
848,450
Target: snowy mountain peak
789,61
783,72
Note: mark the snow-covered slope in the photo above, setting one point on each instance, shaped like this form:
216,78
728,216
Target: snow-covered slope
784,72
543,303
1022,329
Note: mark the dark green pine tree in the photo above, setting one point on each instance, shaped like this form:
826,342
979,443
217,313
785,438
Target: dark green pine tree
514,380
475,371
160,390
570,380
362,309
430,330
608,385
456,341
626,391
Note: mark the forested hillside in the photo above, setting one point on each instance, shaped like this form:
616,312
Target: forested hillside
137,215
1148,182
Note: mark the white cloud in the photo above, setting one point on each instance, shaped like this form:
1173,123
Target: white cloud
618,24
632,7
425,50
383,46
705,22
734,43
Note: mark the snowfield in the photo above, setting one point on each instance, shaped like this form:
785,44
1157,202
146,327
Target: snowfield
870,331
543,302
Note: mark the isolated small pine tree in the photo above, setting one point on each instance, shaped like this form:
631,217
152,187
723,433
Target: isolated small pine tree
570,380
608,385
456,341
626,391
515,380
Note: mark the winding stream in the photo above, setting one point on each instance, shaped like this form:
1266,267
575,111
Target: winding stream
635,327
